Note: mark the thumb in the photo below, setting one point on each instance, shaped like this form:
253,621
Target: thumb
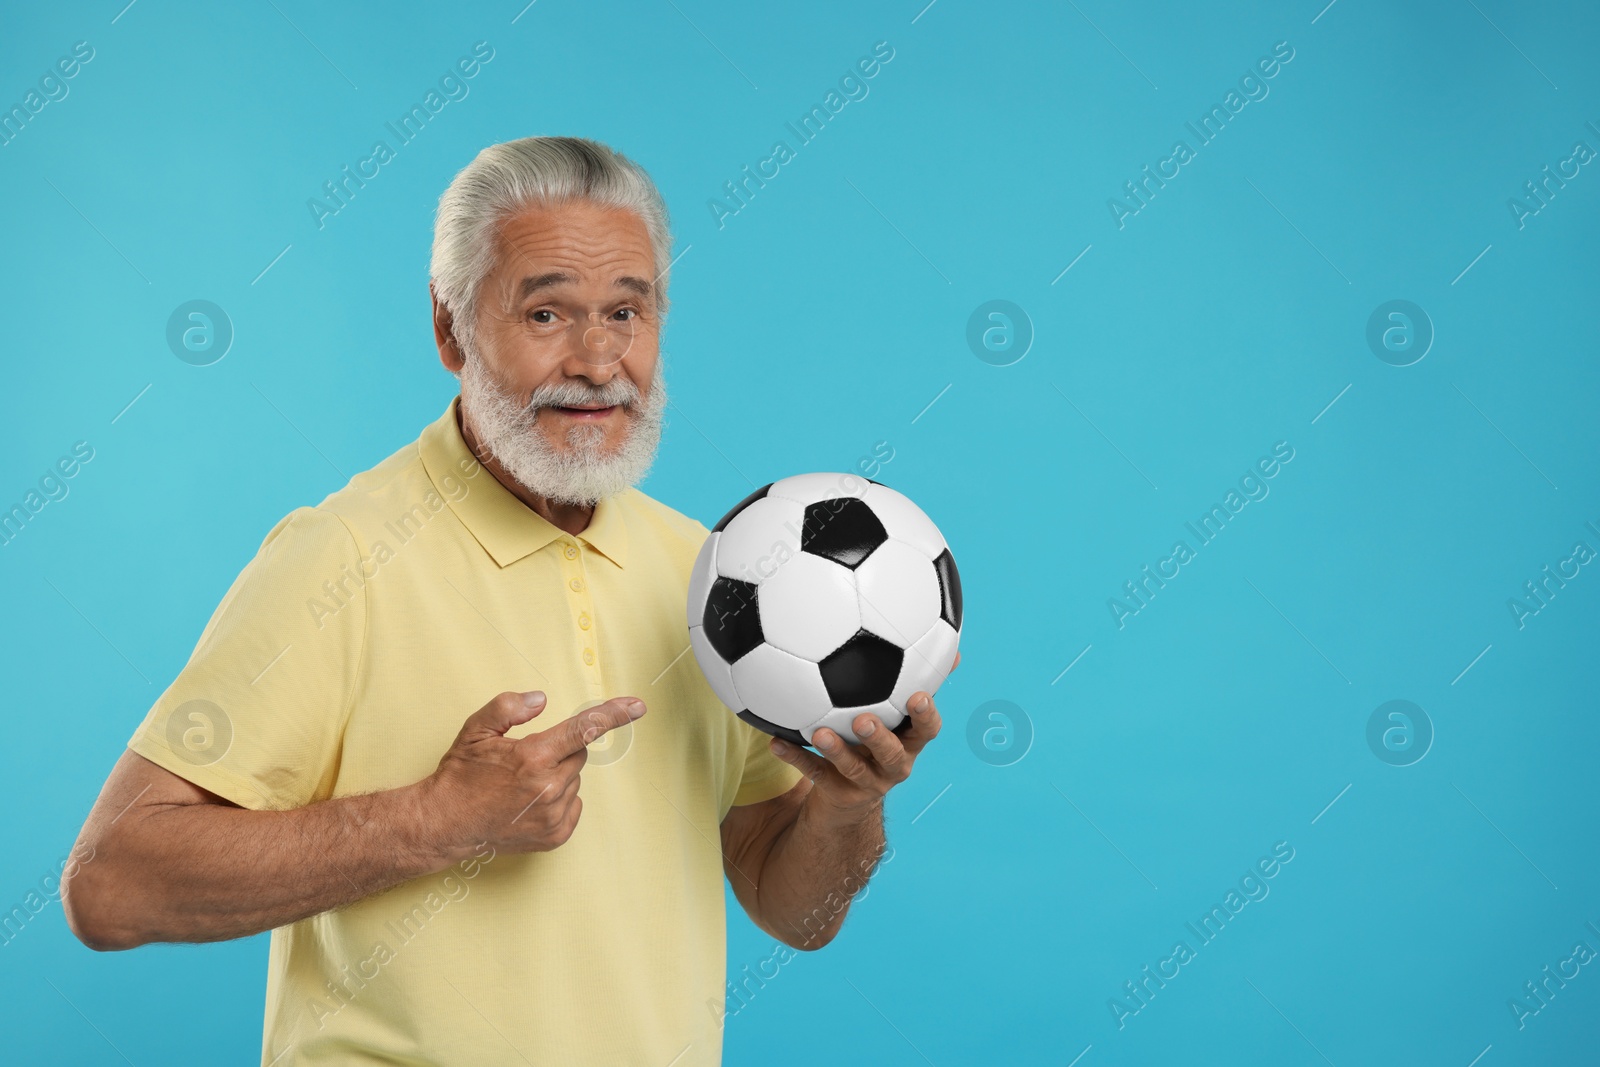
807,763
501,714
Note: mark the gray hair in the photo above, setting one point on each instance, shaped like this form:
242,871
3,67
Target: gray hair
507,177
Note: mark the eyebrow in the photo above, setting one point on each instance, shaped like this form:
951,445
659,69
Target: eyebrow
551,279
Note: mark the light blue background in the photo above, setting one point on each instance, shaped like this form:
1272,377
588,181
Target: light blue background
825,317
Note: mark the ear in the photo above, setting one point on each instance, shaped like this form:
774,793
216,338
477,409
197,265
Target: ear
444,336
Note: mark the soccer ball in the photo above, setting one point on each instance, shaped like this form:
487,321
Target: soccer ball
822,596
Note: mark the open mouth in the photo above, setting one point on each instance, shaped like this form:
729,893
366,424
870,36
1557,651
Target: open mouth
585,411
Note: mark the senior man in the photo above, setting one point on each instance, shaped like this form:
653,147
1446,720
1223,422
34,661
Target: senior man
441,893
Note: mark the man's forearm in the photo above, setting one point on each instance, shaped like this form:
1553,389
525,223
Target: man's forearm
815,868
172,861
209,872
797,860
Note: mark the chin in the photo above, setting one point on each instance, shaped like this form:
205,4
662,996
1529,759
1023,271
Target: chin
584,469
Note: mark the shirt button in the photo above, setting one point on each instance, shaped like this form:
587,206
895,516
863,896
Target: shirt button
577,585
588,655
583,621
572,553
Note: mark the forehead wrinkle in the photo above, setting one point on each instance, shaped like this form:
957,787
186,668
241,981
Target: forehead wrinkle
580,240
555,278
560,261
559,250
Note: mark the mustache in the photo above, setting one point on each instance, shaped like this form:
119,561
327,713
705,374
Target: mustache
618,391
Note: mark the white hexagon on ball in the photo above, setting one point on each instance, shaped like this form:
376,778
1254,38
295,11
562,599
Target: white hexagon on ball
809,608
927,664
748,548
899,593
783,689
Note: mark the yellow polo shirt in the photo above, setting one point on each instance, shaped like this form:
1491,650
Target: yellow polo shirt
344,659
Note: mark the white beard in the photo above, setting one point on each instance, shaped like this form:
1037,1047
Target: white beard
583,473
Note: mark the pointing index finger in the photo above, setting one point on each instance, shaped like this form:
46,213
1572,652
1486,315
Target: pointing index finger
575,734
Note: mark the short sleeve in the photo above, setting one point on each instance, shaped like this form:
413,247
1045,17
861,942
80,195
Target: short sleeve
257,713
765,775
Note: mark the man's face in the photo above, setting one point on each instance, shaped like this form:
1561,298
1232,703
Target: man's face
563,381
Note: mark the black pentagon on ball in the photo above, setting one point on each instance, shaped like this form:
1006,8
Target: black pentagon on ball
949,589
792,736
740,506
843,529
863,670
731,622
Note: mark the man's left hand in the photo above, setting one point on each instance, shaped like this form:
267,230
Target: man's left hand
851,778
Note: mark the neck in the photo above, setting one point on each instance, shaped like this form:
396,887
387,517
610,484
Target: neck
573,518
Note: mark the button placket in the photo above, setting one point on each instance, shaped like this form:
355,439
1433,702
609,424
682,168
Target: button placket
582,608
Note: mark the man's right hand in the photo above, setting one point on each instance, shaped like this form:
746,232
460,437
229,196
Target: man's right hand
519,795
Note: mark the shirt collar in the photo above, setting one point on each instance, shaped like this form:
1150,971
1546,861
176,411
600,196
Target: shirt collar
506,527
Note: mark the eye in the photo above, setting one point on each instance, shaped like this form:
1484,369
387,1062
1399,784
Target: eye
631,314
534,315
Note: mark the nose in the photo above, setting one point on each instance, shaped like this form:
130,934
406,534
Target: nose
596,343
598,377
588,357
